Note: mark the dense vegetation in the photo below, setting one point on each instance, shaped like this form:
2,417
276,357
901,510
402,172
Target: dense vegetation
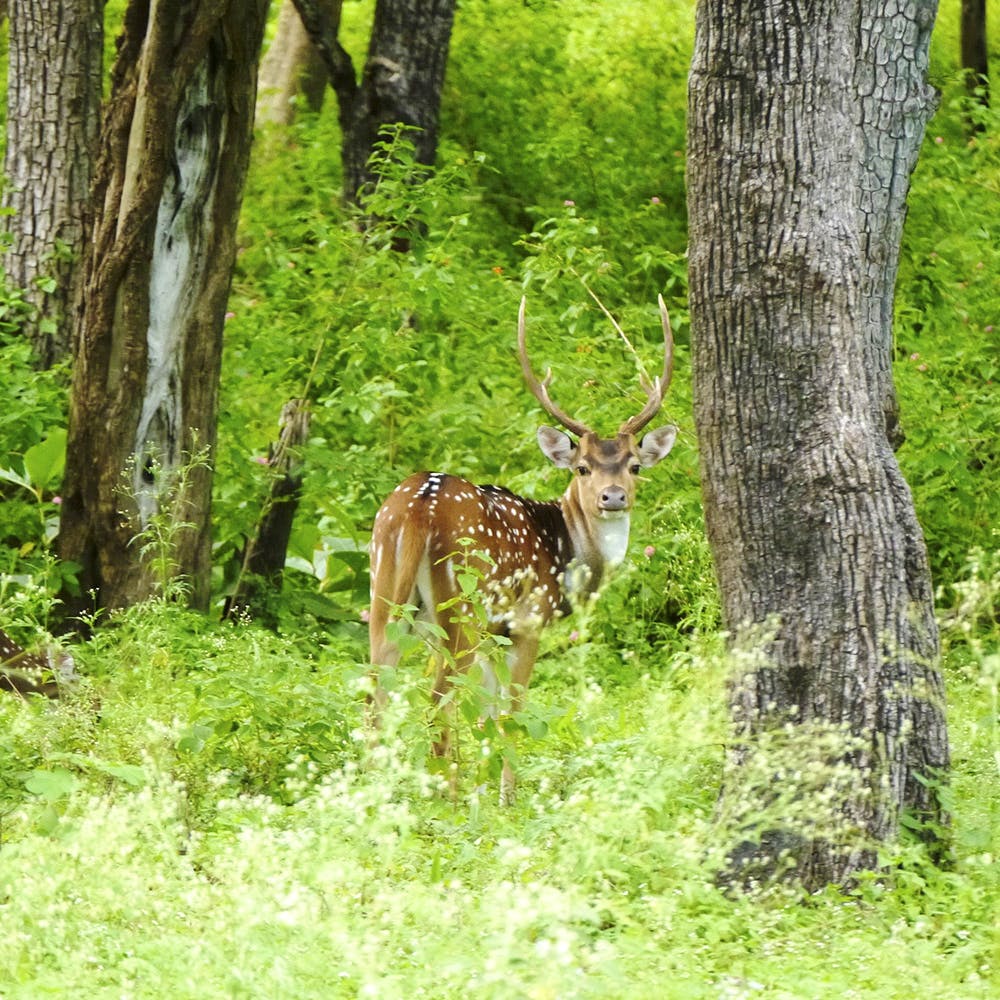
204,817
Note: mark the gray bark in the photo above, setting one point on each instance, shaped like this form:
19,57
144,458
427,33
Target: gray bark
53,116
291,70
896,102
401,83
819,556
169,182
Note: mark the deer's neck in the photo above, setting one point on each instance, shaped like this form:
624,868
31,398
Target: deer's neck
598,545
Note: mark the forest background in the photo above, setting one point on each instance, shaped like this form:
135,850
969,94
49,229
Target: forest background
211,830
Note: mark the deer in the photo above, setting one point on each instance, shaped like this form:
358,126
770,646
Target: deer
42,673
536,559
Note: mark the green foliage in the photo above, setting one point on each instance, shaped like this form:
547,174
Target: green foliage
206,776
225,780
948,334
156,539
32,441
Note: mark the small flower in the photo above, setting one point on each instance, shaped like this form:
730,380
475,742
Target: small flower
498,270
655,201
914,356
569,203
366,615
939,139
921,368
230,315
574,636
988,329
649,551
262,459
57,500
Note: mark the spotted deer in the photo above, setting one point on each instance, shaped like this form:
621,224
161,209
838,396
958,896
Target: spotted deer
33,673
541,557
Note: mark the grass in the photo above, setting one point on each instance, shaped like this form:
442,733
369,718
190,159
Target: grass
141,859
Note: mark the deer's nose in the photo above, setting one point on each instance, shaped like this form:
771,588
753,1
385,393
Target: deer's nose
613,498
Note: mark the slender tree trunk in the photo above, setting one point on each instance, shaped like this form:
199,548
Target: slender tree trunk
819,557
169,181
291,69
402,80
259,583
53,115
975,49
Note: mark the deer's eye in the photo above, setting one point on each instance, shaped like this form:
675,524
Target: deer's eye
636,469
582,470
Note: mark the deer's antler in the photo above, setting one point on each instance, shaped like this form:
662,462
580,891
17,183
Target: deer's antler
656,389
540,390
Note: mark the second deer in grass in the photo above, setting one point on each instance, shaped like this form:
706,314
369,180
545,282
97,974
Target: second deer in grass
541,557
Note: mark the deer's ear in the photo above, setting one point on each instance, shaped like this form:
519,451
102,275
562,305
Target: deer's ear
656,445
556,446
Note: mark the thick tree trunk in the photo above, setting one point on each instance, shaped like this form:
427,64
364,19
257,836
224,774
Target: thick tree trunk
169,180
819,557
291,69
53,116
890,77
401,83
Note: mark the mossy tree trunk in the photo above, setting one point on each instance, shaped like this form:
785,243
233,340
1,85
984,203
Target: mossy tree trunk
169,180
53,119
804,123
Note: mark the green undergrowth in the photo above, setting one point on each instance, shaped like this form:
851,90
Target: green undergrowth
206,816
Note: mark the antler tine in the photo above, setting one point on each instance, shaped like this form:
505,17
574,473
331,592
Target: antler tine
540,390
656,389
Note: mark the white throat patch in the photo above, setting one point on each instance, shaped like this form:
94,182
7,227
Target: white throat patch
611,536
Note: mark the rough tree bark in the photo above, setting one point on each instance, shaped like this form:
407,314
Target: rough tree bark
817,548
53,116
401,82
291,69
168,184
890,79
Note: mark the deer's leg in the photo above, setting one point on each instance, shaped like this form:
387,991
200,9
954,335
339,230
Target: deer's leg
383,653
399,571
521,657
456,657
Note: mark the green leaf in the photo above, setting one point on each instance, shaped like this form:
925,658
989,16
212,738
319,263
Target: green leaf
193,739
51,785
45,461
131,774
10,476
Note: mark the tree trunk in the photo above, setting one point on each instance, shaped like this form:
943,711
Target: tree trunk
839,718
401,83
260,578
52,125
169,181
291,69
890,77
975,59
